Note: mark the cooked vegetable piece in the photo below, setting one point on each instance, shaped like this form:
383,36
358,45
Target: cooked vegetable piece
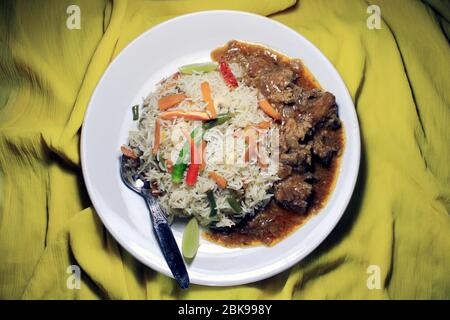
207,97
263,125
220,181
169,165
234,204
154,189
227,74
181,163
192,115
221,119
192,174
203,164
180,166
269,110
177,172
162,164
127,152
135,110
198,67
212,203
170,101
157,138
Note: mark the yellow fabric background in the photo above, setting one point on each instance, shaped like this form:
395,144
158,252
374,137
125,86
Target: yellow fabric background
398,218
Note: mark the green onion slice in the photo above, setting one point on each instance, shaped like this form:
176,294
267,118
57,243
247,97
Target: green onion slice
198,67
135,110
234,204
212,203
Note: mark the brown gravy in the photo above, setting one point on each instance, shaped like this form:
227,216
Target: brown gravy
274,222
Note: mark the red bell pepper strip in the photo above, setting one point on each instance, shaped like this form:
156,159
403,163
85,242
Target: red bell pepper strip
227,74
192,174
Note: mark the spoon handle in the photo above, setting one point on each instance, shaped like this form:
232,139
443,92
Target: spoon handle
167,243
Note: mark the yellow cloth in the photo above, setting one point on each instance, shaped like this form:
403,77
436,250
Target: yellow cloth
398,218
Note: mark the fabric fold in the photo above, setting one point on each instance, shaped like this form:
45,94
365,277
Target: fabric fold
396,225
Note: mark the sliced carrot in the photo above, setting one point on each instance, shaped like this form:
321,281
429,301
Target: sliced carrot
221,182
169,165
157,139
203,164
127,152
207,97
269,110
263,125
246,156
168,102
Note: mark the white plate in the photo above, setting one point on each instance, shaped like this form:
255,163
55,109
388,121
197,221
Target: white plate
132,75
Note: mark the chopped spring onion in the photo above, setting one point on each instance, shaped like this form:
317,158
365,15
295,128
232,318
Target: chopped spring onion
212,203
221,119
190,239
234,204
198,67
135,110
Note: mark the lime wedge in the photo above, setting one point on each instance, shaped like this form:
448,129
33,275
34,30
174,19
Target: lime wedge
190,239
198,67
